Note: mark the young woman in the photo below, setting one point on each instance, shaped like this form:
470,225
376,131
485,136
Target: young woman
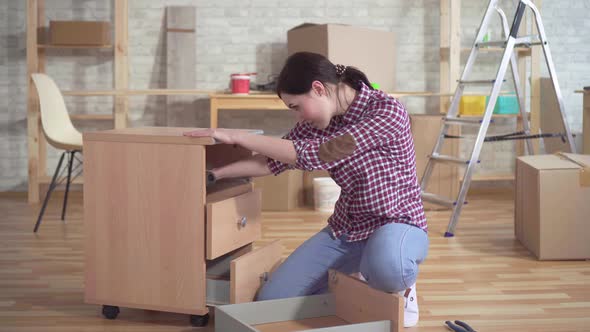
362,137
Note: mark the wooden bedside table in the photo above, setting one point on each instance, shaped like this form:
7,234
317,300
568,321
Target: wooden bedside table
156,237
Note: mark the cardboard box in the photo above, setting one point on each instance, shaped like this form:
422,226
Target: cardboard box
550,117
372,51
79,33
551,216
444,180
283,192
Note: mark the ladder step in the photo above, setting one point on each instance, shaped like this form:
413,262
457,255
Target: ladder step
436,199
449,159
527,41
478,81
464,121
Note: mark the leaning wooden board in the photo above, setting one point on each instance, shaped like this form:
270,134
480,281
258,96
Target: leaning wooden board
180,61
351,306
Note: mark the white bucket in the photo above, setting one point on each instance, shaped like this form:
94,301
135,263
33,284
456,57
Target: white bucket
325,194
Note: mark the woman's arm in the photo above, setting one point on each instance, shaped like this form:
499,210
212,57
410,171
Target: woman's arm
253,166
275,148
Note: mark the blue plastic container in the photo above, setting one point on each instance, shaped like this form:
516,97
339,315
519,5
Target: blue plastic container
506,105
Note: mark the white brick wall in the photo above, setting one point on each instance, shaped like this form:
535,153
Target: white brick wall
242,35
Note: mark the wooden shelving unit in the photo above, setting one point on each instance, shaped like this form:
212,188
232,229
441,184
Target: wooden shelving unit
36,63
36,56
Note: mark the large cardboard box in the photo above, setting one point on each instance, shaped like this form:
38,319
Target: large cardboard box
372,51
283,192
80,33
444,180
552,213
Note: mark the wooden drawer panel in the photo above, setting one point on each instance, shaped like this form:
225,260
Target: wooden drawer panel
237,277
233,223
251,270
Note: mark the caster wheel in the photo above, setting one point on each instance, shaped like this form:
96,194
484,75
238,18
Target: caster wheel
199,321
110,312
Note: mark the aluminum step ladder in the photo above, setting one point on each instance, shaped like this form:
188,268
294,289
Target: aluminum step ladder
511,41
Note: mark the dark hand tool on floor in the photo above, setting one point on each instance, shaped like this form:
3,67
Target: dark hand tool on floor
460,327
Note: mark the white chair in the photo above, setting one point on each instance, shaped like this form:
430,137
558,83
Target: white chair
60,133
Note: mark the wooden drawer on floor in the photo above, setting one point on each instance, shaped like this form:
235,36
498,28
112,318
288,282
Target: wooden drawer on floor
233,223
351,306
236,277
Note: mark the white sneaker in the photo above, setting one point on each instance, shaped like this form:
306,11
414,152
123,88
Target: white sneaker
411,312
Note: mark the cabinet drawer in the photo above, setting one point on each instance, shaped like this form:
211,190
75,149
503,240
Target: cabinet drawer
233,223
237,277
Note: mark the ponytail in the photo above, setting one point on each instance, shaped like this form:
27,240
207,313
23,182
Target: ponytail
303,68
352,76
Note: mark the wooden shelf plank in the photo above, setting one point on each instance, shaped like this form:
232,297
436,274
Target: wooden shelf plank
502,93
75,46
167,92
92,117
493,116
146,92
492,177
90,93
259,94
195,92
397,94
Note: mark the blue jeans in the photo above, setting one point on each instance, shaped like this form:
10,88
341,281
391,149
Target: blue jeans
388,260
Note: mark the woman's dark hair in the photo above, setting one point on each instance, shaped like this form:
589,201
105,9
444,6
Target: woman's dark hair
302,68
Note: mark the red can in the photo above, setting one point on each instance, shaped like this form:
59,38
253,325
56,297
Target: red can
240,84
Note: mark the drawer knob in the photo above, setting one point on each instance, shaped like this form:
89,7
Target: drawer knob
242,222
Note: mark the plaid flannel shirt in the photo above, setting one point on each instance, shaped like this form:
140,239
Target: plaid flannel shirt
378,179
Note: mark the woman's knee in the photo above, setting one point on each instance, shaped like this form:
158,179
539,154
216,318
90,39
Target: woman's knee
391,257
388,273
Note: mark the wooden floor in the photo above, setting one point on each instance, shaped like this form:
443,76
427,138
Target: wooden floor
482,276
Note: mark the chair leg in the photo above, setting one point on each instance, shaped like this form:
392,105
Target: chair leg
49,190
70,163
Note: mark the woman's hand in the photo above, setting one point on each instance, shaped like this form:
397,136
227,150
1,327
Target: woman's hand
221,135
